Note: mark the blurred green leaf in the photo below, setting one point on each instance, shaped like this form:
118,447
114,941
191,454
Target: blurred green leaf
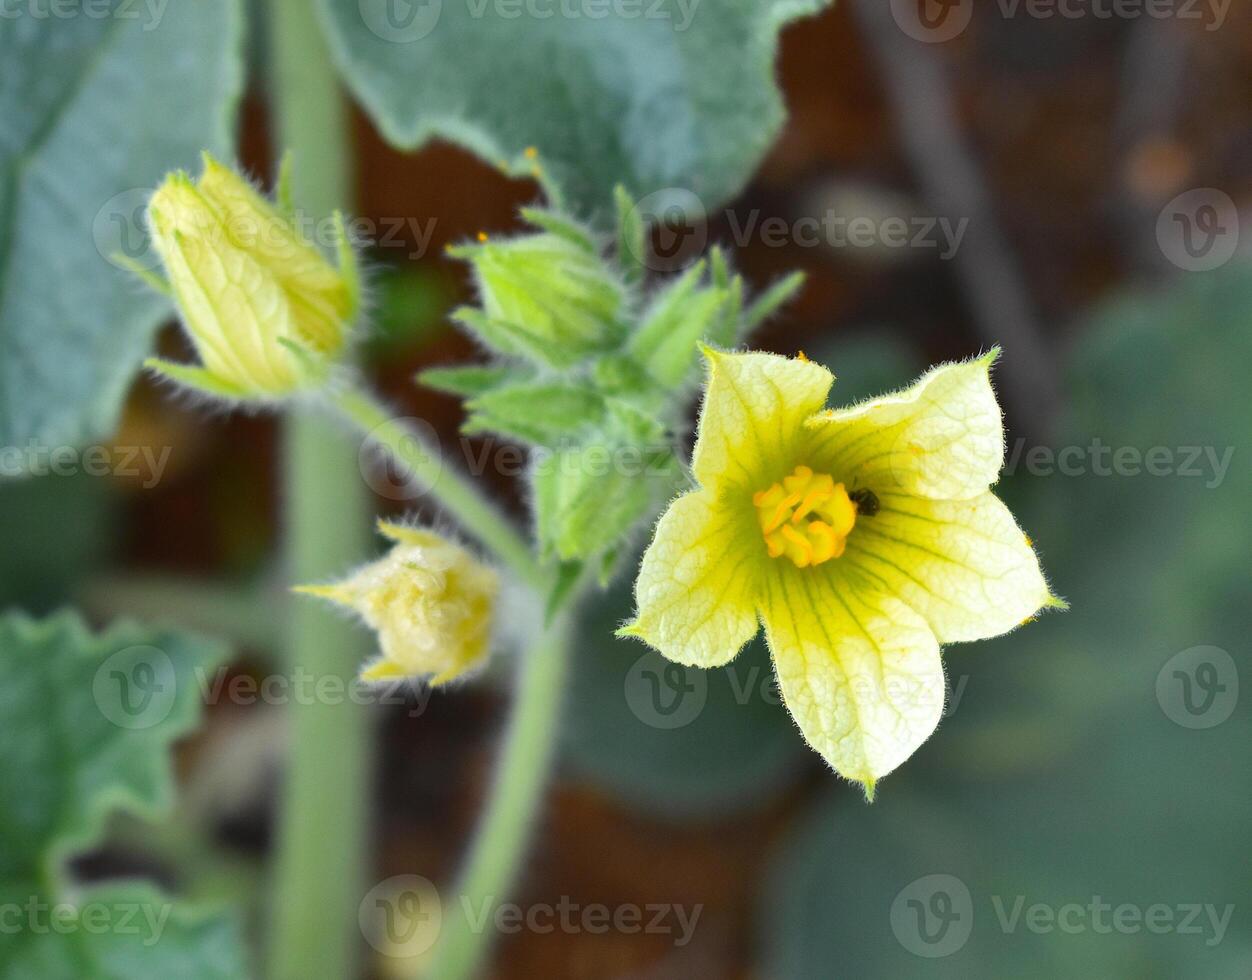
132,96
675,740
673,96
86,722
57,530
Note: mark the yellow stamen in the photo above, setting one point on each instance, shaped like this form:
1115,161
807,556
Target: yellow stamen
807,517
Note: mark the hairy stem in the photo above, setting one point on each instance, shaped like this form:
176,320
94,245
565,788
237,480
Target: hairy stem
321,845
497,849
455,493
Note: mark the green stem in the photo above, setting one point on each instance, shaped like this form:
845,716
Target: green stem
517,789
455,493
321,845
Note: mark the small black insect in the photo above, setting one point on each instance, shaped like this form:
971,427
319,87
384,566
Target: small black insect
866,502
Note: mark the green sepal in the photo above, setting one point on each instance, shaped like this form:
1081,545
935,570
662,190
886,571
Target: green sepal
468,381
567,574
617,374
544,414
631,235
589,498
506,338
561,225
770,300
197,379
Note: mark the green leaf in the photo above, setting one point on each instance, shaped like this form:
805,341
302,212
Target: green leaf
131,97
146,936
545,414
675,740
652,100
86,722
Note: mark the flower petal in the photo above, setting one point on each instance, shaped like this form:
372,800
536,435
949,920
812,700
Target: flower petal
695,592
753,416
942,437
964,565
859,670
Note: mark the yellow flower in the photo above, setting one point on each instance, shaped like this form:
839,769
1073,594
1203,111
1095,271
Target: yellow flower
862,538
428,599
264,309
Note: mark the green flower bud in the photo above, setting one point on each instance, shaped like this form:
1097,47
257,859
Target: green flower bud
266,311
544,296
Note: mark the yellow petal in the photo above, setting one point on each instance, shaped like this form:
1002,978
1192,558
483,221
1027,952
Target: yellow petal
942,437
696,589
753,416
964,565
858,669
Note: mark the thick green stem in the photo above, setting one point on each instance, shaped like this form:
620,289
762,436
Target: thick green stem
456,494
321,837
517,789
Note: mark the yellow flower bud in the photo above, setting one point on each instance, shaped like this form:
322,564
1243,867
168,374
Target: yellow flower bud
266,311
429,601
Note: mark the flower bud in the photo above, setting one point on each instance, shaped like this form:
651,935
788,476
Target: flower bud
429,601
267,313
544,296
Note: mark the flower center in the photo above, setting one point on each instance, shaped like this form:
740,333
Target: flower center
807,517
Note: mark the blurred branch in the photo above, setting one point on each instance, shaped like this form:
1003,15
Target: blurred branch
950,178
241,615
1150,102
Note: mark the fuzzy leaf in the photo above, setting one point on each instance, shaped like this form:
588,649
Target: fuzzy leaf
129,99
86,722
600,97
